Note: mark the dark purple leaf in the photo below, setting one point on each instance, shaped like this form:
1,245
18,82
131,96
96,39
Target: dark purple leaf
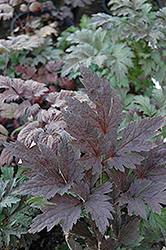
129,233
96,202
143,192
135,136
122,180
67,210
6,157
74,245
108,105
48,172
124,160
99,207
109,244
94,128
153,166
86,136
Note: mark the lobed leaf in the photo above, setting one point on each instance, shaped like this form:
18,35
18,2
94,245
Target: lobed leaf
49,172
121,179
124,160
119,59
67,210
129,233
79,54
135,136
143,192
153,165
99,207
20,42
17,88
94,129
108,105
143,104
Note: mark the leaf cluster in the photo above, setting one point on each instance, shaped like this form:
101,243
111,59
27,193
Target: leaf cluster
15,214
128,47
94,172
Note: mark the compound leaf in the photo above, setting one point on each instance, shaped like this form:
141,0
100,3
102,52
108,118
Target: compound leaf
49,172
67,210
135,136
99,207
129,233
153,165
143,192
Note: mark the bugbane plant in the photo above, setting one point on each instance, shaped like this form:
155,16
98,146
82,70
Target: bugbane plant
104,184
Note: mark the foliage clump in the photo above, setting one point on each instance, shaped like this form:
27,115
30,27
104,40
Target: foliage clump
96,171
15,213
94,160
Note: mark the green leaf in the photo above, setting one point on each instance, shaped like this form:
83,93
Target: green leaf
3,61
11,72
147,65
38,202
7,173
158,221
80,54
159,96
2,217
119,59
143,104
2,187
8,201
18,57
